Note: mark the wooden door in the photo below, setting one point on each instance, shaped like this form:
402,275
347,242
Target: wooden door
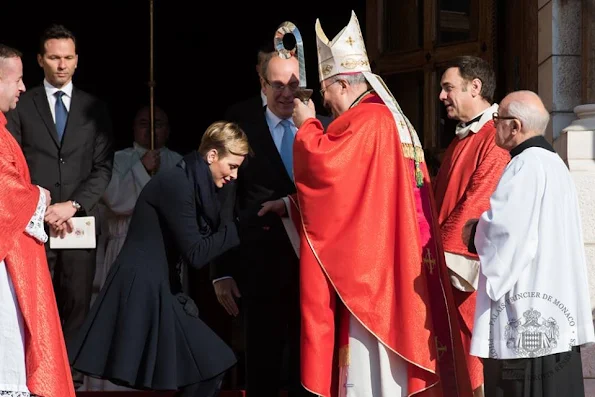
410,41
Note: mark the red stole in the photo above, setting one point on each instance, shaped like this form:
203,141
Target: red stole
48,370
361,243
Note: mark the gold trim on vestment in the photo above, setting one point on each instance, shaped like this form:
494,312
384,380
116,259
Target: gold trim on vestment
344,356
351,312
413,152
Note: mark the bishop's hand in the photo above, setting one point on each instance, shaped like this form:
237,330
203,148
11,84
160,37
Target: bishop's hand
302,112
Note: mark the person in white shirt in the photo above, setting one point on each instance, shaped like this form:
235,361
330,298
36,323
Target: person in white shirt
533,310
133,168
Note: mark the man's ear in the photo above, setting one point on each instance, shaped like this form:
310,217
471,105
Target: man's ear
476,86
516,128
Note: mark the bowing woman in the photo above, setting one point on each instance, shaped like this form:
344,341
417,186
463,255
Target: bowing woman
142,331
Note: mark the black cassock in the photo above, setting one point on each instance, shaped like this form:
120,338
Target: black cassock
554,375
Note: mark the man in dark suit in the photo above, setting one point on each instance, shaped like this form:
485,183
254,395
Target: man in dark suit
267,267
65,135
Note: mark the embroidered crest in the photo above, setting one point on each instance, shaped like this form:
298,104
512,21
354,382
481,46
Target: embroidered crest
532,336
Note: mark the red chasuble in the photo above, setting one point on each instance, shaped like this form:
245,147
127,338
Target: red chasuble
370,248
48,371
468,176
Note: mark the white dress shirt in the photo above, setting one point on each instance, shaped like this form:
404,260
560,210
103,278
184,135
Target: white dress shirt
276,128
50,90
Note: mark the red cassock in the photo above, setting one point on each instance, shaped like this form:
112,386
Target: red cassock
370,248
48,371
469,173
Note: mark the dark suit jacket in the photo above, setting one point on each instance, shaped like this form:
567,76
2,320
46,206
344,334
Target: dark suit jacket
80,167
142,330
266,260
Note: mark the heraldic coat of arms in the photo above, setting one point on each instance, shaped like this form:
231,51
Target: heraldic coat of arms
532,336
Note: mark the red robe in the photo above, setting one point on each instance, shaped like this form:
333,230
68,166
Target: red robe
48,371
468,176
367,231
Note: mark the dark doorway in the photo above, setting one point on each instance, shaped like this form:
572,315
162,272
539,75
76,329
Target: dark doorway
205,53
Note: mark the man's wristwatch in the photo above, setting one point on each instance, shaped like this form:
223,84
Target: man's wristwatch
76,205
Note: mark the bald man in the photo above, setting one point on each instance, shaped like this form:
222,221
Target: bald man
533,312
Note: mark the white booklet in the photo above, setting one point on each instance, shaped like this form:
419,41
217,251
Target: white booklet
81,237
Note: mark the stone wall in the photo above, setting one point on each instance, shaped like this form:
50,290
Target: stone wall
559,59
566,29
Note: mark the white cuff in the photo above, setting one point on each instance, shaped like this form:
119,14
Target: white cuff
220,278
141,174
35,226
286,202
464,271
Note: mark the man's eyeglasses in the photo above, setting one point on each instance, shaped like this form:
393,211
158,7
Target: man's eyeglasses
278,87
496,117
322,91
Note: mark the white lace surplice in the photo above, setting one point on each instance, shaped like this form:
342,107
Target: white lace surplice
13,373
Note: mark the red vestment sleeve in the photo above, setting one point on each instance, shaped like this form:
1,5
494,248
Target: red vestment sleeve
18,200
48,370
475,200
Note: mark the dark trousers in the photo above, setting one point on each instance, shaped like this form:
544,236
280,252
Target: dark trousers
272,339
555,375
206,388
72,274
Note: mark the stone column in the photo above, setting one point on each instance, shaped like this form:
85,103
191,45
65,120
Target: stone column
576,145
559,58
588,51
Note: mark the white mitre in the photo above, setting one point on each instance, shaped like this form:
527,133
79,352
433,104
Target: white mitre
346,53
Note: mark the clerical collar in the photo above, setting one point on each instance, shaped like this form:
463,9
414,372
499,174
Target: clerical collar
536,141
477,123
463,125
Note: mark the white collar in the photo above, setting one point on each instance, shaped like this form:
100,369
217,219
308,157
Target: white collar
274,120
463,129
51,90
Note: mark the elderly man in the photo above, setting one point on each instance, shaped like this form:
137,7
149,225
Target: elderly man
533,311
370,254
32,351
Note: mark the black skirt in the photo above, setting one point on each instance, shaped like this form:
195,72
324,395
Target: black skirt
141,335
555,375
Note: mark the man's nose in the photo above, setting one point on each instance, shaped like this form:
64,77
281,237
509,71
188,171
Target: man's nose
442,95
